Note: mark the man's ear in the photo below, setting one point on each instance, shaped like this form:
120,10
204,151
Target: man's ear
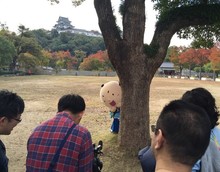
2,119
159,140
81,114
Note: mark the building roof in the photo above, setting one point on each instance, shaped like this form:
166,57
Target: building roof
63,25
167,65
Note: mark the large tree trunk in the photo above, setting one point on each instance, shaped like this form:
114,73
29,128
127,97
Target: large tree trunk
135,111
135,82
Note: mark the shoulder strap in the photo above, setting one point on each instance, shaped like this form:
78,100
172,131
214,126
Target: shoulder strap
56,156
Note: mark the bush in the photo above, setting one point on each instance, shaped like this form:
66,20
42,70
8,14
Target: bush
6,72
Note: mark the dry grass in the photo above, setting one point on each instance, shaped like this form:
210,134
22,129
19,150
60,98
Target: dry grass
41,94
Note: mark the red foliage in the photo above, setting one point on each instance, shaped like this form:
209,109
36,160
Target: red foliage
202,56
215,57
188,56
100,55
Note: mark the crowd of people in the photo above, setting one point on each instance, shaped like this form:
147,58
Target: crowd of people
185,137
177,133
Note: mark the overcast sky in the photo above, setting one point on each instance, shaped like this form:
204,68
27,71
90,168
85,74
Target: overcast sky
36,14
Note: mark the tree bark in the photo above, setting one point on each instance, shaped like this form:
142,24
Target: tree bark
134,131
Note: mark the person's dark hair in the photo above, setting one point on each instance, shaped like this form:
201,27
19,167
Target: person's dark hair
203,98
71,102
186,128
11,105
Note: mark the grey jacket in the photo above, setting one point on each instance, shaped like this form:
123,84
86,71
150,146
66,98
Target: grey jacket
210,161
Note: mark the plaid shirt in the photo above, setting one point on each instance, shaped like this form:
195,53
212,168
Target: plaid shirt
76,155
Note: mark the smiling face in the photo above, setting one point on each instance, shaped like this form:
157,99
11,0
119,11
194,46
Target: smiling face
110,95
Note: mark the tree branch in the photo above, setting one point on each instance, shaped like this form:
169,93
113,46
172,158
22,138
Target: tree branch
107,22
134,21
183,17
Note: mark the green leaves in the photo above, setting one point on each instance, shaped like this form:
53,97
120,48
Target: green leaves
150,50
77,2
204,32
7,51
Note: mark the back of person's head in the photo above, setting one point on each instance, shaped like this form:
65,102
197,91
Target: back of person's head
11,105
203,98
186,129
71,102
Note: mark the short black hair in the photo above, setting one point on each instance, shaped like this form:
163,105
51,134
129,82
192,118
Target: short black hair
186,128
11,105
203,98
71,102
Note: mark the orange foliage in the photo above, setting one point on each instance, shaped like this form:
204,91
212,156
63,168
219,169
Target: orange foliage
64,57
96,61
202,56
215,58
100,55
188,56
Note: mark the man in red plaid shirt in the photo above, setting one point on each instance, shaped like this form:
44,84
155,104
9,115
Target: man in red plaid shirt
76,155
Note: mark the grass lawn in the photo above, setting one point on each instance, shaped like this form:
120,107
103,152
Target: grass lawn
41,94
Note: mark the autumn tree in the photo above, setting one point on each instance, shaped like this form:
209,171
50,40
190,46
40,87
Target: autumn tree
201,58
174,54
80,55
93,62
60,60
187,57
45,58
55,62
97,61
28,62
136,62
215,59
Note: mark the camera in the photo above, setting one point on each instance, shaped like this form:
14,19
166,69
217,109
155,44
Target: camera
97,164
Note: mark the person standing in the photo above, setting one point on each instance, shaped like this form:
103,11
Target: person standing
11,108
61,144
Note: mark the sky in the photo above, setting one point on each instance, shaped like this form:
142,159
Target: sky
37,14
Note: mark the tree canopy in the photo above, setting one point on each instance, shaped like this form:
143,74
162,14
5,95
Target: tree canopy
204,35
54,41
7,51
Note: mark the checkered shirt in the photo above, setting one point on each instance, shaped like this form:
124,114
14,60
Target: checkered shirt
76,155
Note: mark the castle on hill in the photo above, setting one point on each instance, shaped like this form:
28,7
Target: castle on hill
64,25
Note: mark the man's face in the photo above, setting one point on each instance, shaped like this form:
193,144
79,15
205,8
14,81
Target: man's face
6,125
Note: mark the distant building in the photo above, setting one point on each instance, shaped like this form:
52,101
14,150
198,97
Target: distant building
166,68
64,25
